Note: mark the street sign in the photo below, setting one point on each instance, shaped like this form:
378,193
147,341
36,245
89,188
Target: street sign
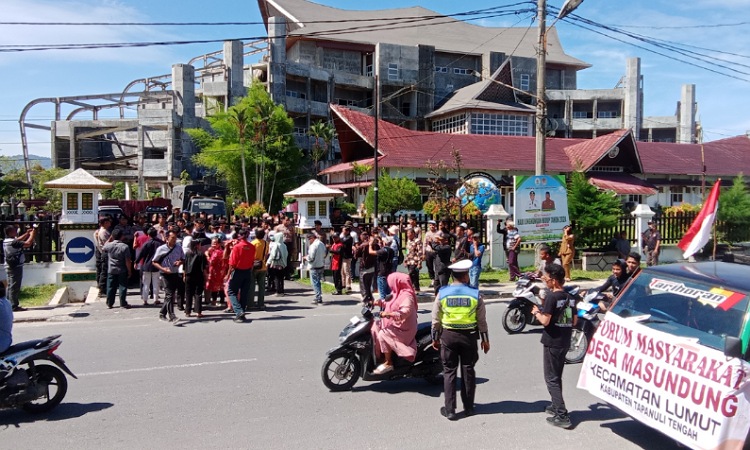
80,250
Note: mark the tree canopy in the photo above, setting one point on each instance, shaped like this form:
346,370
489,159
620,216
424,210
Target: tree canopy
734,211
394,194
261,132
590,208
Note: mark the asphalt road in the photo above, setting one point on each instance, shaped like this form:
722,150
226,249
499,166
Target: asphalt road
217,384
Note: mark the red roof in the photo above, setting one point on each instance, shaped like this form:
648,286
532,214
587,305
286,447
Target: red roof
406,148
621,183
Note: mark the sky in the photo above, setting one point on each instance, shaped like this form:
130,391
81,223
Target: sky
718,27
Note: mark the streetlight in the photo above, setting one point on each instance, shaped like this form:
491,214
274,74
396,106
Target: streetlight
5,208
21,207
541,67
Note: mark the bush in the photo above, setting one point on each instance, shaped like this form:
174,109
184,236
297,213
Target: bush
254,210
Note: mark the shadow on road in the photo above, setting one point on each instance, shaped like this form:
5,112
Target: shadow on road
254,318
511,407
400,386
639,434
14,418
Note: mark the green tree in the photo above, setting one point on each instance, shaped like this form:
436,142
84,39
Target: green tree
39,176
320,131
590,208
734,211
394,194
118,191
260,131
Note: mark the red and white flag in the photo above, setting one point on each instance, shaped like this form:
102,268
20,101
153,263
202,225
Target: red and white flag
700,231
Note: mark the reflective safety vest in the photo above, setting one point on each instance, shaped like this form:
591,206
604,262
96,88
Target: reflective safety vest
459,307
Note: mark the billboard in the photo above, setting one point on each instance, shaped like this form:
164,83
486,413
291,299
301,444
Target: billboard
540,209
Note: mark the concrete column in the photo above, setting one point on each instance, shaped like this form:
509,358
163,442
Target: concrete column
633,97
183,84
277,63
172,137
234,61
72,147
139,152
127,190
642,214
686,133
496,214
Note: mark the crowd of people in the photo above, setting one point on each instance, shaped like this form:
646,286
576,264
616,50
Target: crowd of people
195,261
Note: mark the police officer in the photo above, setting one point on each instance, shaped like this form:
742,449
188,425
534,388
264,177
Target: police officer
458,314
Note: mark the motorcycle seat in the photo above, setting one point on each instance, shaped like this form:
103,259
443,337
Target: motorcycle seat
20,347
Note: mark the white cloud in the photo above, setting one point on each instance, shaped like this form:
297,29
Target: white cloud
78,11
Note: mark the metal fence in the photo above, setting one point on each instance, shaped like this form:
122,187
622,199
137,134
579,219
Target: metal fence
47,245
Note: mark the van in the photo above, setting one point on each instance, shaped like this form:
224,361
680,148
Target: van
673,350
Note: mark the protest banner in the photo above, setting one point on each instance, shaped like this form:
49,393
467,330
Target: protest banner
690,392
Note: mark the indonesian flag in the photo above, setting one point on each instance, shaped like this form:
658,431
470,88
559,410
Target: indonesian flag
700,231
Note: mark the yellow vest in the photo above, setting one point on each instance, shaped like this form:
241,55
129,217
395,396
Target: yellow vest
459,307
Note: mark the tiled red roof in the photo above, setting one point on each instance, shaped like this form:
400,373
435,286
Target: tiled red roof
621,183
406,148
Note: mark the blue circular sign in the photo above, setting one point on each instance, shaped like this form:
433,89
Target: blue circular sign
80,250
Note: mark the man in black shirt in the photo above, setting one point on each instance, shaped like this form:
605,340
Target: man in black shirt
557,318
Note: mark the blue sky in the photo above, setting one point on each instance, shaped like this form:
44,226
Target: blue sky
722,101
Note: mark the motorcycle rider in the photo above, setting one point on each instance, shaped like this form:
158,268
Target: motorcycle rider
616,281
457,315
6,321
397,328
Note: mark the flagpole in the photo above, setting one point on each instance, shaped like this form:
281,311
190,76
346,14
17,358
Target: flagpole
713,256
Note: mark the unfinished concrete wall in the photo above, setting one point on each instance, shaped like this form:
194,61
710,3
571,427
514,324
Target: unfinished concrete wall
633,106
277,60
234,61
687,134
446,78
396,64
425,94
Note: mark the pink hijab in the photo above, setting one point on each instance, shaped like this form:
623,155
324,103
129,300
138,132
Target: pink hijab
401,288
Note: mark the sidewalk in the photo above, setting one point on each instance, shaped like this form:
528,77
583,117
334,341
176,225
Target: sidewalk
492,292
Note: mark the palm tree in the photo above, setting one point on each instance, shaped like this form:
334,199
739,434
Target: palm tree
320,131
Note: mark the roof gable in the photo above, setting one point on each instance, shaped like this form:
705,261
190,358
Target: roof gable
618,145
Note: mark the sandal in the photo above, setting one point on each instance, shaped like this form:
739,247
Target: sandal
382,369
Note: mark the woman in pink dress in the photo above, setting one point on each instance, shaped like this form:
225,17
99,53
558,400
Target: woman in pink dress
397,328
216,271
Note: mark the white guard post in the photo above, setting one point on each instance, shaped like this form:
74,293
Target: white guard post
314,199
642,214
80,203
496,214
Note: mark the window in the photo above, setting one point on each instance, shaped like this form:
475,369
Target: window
607,114
300,131
525,82
676,196
322,208
72,201
462,71
500,124
368,70
154,153
347,102
393,71
87,201
295,94
441,69
581,115
451,124
311,208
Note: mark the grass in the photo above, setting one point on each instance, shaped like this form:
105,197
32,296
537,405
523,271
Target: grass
37,295
326,286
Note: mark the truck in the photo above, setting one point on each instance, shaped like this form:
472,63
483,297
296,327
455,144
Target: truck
197,198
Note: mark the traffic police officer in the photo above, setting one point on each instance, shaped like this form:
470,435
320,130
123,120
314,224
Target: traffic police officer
458,314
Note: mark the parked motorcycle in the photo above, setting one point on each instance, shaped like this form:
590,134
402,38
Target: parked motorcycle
355,357
28,383
588,321
525,297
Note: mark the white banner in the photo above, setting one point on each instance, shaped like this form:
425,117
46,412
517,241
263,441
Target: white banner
692,393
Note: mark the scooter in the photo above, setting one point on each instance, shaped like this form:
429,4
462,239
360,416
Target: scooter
525,297
355,357
586,325
26,383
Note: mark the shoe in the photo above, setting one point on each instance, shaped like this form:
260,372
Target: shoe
176,321
314,302
228,310
280,294
157,303
560,421
18,309
468,412
110,306
550,410
382,369
163,318
181,308
336,293
450,415
199,316
239,319
145,303
126,306
187,314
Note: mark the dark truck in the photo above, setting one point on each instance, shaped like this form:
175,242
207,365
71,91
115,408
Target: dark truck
198,198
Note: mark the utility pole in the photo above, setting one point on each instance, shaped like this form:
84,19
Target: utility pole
376,106
541,103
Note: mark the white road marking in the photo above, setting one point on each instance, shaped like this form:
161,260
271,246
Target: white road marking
176,366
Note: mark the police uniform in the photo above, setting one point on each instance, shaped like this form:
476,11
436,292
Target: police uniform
458,320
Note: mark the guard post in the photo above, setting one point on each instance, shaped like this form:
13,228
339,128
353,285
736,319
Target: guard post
79,219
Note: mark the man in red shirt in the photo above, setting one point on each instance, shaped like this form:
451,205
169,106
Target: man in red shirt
240,274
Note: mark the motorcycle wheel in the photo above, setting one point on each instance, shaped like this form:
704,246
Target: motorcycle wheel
340,373
579,343
514,320
46,378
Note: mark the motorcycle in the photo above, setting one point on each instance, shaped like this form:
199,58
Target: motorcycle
586,325
525,297
26,383
355,357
